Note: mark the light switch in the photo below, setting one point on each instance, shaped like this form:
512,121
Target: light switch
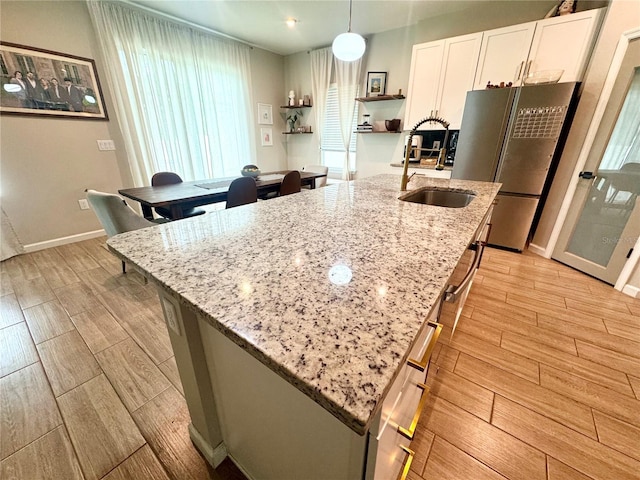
106,145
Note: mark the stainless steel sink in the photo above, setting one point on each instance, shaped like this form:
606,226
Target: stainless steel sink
440,198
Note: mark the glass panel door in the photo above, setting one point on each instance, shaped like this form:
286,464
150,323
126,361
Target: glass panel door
604,219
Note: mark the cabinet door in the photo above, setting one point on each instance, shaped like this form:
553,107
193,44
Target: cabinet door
426,64
503,54
458,73
564,43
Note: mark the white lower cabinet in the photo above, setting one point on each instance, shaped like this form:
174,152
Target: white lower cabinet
242,409
389,452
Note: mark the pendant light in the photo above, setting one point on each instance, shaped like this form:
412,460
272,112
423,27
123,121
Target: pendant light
348,46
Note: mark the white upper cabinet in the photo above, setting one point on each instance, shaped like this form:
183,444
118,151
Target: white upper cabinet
441,74
424,78
565,42
456,77
503,54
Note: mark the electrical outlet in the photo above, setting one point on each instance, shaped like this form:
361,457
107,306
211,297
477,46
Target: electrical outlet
84,204
436,144
171,316
106,145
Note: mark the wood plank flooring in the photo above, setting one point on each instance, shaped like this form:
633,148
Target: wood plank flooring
541,379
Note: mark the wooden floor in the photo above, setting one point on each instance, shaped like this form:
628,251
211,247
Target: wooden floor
540,381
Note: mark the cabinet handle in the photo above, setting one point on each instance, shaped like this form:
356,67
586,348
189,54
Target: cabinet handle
526,71
407,464
422,364
409,432
519,70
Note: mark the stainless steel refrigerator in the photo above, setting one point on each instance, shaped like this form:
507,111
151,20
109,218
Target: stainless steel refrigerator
514,136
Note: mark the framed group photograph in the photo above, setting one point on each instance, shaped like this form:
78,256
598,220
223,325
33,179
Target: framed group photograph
265,114
376,83
42,82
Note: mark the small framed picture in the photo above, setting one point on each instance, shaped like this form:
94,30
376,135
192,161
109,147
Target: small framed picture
266,137
376,83
265,114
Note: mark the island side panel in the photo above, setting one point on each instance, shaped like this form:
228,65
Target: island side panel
186,342
272,430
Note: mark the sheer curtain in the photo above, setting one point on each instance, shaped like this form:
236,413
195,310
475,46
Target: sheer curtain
10,244
347,80
321,65
182,96
624,144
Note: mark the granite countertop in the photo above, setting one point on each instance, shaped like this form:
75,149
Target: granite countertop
328,288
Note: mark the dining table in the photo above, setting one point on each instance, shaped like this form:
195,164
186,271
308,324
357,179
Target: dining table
181,196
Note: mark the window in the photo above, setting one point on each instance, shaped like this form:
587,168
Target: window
332,146
3,66
26,64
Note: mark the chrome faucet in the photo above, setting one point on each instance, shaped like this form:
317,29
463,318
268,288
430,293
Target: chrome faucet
441,157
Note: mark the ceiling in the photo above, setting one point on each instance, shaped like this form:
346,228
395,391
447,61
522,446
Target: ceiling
262,23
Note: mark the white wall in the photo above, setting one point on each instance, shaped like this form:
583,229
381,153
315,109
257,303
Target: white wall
267,77
47,163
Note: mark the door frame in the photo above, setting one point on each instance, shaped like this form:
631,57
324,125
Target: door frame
605,94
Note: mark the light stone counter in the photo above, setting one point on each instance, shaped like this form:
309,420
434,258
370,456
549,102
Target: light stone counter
328,288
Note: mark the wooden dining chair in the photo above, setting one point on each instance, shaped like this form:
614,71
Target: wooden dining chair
169,178
242,190
322,181
290,183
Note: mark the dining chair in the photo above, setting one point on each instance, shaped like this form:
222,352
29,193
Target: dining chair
170,178
322,181
241,191
290,183
116,216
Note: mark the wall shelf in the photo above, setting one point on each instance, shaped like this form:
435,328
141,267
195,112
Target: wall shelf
295,107
380,98
296,133
380,131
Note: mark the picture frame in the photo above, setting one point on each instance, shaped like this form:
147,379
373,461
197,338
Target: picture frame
376,84
41,82
265,114
266,135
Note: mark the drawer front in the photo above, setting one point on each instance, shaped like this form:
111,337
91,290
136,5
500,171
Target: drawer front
402,410
408,374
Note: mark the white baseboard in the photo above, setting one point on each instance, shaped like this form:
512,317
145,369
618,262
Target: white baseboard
631,291
214,456
56,242
538,250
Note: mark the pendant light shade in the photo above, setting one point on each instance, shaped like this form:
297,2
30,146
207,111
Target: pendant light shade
348,46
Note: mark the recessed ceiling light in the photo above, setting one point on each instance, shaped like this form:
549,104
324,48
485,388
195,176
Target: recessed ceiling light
291,22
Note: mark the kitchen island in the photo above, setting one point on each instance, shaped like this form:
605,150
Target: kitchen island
292,319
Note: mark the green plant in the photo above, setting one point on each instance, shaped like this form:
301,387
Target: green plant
292,118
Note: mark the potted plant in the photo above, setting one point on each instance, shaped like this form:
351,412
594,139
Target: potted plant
292,119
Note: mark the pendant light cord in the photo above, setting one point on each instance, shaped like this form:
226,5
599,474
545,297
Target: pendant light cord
350,4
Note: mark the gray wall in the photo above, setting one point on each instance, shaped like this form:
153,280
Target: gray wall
47,163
